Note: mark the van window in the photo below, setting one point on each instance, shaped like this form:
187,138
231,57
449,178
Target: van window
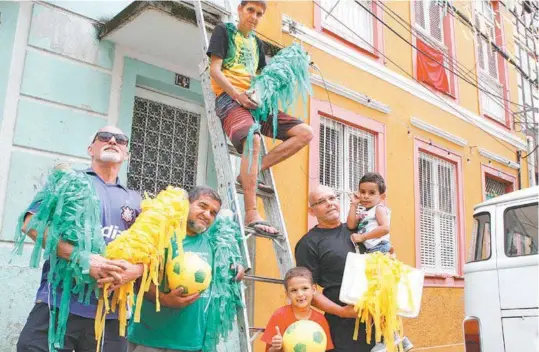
480,238
520,224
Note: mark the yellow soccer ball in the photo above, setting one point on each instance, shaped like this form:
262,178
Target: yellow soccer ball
304,336
193,273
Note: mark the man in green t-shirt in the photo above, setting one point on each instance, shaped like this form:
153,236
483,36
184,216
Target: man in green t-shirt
180,325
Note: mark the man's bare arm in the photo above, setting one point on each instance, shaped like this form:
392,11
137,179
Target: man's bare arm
325,304
99,266
173,299
64,249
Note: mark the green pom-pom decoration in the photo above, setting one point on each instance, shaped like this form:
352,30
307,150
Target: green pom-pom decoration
69,211
224,237
280,83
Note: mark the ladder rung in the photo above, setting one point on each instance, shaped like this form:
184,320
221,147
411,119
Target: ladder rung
255,332
232,150
269,280
260,193
252,329
250,232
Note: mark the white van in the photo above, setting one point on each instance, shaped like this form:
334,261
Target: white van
501,275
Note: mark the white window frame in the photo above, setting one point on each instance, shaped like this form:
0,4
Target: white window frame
437,214
485,21
344,8
344,188
486,18
426,31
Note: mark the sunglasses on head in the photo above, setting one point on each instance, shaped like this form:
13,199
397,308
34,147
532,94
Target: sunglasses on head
121,139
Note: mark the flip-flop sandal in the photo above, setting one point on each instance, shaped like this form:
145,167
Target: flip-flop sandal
253,227
261,186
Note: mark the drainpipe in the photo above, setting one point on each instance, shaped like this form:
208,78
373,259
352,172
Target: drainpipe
519,172
531,161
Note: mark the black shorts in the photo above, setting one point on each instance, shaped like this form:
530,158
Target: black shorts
342,333
79,337
342,329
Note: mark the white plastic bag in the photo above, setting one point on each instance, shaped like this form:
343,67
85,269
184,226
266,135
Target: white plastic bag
354,285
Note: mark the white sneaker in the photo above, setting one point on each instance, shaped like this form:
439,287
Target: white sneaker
380,347
407,345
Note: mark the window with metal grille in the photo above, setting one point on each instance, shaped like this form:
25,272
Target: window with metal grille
438,215
429,18
346,154
494,188
164,147
349,20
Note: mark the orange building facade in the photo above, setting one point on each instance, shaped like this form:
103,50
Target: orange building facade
442,137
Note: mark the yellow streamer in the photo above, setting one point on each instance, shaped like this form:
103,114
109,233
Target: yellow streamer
162,219
378,306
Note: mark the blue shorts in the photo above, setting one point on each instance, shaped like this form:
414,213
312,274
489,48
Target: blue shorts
383,247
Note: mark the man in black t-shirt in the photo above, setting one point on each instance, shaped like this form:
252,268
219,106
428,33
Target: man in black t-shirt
323,250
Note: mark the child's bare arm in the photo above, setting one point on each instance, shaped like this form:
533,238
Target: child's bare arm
352,221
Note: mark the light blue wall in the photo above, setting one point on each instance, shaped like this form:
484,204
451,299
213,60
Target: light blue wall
55,129
65,92
56,73
98,10
8,24
18,293
62,81
68,35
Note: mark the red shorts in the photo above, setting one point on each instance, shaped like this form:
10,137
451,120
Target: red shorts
237,121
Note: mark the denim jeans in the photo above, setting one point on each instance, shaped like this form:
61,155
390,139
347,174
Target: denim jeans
383,247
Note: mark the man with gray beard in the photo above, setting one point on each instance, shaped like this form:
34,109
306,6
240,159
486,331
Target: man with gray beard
119,209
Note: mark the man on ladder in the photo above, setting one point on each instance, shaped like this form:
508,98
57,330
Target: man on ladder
237,55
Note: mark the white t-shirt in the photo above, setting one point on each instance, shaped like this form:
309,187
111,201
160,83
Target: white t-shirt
368,222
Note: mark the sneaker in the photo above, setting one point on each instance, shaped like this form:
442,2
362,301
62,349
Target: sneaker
406,344
380,347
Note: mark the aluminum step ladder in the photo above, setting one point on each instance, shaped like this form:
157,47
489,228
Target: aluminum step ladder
229,190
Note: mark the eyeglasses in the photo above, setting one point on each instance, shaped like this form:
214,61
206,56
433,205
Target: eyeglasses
121,139
324,201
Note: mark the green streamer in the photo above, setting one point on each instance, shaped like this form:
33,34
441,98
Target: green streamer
226,298
69,210
280,83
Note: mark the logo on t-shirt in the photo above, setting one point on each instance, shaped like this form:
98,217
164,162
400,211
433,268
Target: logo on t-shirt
128,215
110,232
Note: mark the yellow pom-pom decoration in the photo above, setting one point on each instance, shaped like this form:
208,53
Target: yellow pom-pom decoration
192,273
162,219
305,336
378,305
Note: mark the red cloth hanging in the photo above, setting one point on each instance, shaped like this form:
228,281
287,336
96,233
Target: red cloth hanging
431,71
